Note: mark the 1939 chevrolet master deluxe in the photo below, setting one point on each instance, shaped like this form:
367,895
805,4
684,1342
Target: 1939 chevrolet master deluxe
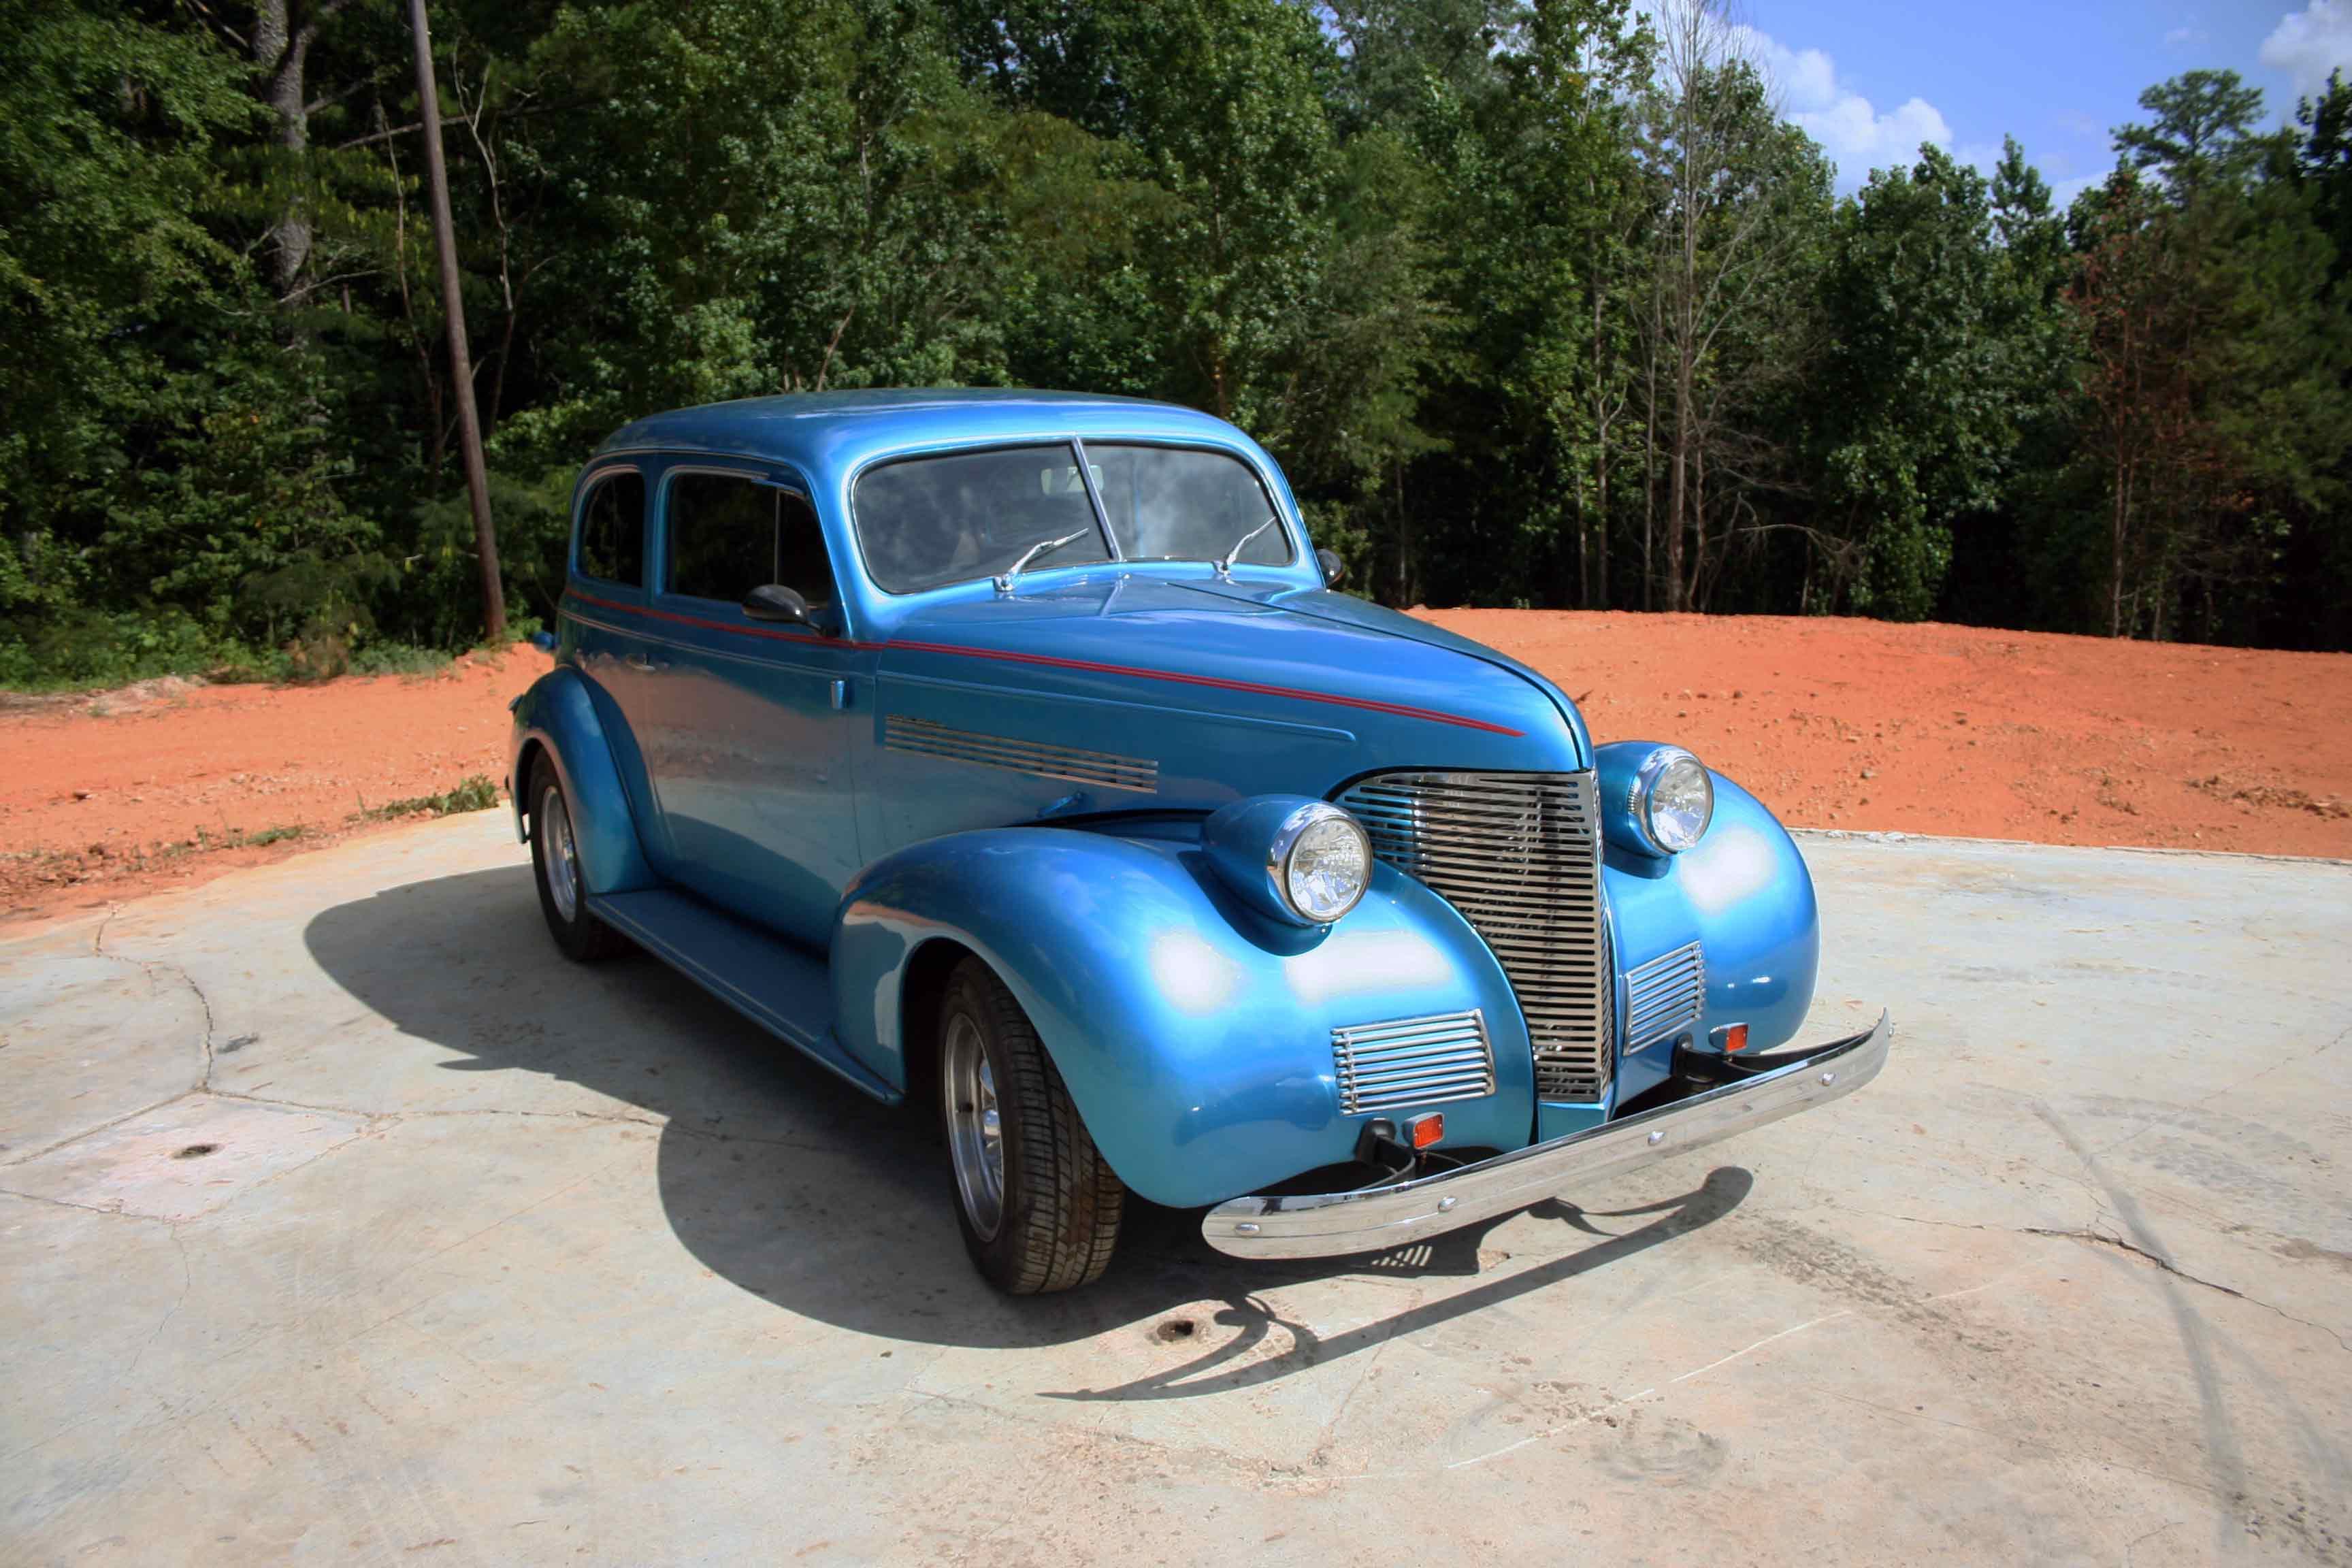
1010,751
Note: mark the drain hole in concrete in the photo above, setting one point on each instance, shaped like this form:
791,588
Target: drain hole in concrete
1175,1328
196,1151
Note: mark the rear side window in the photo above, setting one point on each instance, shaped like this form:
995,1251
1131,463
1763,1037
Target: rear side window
613,530
729,535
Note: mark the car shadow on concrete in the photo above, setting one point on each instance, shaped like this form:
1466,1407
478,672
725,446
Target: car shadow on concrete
782,1179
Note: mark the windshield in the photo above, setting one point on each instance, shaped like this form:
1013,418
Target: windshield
927,522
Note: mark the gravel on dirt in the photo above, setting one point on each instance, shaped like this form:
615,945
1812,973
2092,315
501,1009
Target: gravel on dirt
1851,724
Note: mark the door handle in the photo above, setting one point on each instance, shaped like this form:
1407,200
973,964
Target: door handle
643,665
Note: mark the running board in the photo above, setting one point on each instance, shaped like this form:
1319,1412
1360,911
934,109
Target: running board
783,988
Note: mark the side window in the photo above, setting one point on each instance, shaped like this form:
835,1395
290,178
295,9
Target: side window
729,535
613,530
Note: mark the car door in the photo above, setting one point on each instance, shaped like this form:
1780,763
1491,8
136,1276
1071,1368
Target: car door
604,626
749,743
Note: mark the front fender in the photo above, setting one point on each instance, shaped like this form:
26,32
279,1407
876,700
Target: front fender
1194,1035
558,714
1745,896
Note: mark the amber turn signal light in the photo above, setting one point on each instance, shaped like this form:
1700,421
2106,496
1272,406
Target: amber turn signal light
1729,1038
1425,1130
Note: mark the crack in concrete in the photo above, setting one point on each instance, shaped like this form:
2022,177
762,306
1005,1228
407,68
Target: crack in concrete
374,1122
2093,1236
2290,1062
379,1119
187,1283
2101,1239
148,966
85,1208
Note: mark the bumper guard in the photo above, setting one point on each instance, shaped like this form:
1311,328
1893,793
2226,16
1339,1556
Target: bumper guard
1374,1219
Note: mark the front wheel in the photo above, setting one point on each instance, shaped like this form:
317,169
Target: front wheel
1038,1205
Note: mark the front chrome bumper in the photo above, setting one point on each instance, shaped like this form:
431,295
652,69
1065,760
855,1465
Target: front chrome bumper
1373,1219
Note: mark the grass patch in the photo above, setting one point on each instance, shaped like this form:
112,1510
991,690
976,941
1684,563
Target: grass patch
400,659
477,791
65,867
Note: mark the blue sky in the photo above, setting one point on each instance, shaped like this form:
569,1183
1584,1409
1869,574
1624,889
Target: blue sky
1871,79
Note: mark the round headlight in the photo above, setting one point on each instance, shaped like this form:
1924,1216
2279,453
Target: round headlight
1321,862
1673,800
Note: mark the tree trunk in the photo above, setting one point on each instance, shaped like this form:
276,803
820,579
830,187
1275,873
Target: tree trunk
1678,480
1602,420
453,306
1691,600
282,52
1404,542
2118,517
1649,474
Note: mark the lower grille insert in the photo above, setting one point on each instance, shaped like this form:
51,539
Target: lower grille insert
1664,997
1412,1061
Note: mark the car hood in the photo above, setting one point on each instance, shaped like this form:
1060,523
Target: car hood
1229,689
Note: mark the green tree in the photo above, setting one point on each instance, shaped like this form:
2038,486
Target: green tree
1923,420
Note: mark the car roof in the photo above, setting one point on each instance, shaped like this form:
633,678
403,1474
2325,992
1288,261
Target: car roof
838,430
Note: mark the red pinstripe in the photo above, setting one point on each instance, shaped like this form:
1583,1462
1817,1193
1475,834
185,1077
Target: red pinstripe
1051,661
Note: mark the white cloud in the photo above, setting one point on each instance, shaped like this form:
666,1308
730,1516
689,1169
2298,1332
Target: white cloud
1856,133
2308,44
2183,37
2064,192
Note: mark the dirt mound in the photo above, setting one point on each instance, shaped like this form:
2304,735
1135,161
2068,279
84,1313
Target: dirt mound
1834,724
1957,729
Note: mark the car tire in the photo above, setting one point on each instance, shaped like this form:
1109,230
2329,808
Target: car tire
555,867
1038,1205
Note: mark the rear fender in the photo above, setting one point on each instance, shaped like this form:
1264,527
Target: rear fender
557,715
1193,1034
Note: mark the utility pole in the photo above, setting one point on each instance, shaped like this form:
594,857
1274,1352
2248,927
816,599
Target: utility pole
461,365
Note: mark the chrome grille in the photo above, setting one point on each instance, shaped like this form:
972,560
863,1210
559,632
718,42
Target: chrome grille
1664,997
1519,856
902,734
1412,1061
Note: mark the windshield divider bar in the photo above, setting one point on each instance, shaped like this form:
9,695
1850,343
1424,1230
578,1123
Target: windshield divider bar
1102,512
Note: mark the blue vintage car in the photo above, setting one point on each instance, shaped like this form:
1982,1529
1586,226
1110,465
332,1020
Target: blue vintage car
1011,753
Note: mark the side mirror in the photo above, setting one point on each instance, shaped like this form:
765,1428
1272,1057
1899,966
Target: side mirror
1334,569
775,602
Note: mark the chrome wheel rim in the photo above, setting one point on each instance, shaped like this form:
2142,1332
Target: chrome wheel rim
559,861
975,1127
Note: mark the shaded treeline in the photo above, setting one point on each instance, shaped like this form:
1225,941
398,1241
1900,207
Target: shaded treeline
1538,304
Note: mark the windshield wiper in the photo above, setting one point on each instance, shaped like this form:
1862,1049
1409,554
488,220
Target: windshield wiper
1004,578
1226,567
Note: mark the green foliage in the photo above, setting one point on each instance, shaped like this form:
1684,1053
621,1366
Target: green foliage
475,792
76,648
1923,420
1537,300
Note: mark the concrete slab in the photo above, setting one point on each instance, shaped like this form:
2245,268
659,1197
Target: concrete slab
179,1160
525,1262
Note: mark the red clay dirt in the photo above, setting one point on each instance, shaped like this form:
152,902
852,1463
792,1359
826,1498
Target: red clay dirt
104,797
1849,724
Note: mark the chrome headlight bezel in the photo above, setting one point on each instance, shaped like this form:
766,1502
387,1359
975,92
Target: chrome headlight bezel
1318,819
1255,846
1641,802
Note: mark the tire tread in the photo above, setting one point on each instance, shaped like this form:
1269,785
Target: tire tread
1065,1234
